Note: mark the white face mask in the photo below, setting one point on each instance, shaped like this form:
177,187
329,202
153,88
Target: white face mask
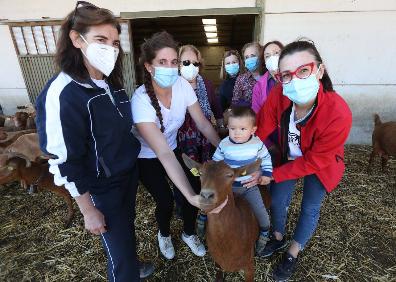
272,63
101,56
189,72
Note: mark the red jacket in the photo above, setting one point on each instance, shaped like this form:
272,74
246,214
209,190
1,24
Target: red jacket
322,136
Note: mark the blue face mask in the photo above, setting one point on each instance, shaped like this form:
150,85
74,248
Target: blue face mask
302,91
232,69
251,63
165,77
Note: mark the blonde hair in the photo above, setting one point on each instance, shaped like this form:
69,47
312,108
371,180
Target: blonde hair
223,73
190,47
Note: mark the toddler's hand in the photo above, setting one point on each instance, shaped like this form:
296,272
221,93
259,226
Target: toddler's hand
265,180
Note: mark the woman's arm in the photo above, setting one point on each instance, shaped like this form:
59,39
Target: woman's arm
203,124
93,218
157,142
267,116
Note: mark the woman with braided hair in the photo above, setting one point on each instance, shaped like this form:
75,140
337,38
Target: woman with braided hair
158,109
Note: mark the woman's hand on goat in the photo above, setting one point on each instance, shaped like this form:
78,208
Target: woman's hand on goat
94,221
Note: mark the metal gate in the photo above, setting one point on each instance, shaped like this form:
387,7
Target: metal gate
37,70
35,44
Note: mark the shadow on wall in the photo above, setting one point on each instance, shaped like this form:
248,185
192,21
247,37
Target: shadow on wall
364,101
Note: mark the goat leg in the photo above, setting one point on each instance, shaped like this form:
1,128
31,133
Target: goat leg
62,192
249,271
370,162
220,276
384,161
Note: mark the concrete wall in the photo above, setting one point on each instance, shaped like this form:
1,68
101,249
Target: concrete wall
355,38
12,86
357,43
22,9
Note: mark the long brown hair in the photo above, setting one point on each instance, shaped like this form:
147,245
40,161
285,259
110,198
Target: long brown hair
69,59
148,51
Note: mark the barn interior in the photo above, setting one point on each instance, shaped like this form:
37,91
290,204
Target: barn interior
212,35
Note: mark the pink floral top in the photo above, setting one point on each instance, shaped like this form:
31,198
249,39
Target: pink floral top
243,89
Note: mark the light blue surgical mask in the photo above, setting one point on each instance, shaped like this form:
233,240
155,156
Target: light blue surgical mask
251,63
165,77
232,69
302,91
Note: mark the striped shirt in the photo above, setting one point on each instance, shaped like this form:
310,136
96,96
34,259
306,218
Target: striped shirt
240,154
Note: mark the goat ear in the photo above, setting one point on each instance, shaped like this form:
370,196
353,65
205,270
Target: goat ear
190,163
247,169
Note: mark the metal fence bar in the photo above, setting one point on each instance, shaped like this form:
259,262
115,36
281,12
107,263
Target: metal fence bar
37,70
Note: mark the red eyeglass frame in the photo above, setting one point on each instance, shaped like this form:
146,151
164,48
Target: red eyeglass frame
294,73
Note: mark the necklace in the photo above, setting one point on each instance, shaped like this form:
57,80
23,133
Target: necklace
304,114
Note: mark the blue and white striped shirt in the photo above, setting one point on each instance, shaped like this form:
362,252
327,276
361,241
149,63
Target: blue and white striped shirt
240,154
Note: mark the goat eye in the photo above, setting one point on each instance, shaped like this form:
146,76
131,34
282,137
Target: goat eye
230,174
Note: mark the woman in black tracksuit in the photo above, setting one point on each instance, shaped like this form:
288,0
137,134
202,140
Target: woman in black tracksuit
84,121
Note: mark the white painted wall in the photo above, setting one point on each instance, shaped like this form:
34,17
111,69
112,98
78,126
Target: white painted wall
356,42
22,9
12,86
355,38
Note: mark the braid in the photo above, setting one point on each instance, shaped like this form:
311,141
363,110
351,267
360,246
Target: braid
154,100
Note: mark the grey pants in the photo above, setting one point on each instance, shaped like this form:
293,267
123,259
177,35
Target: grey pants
253,196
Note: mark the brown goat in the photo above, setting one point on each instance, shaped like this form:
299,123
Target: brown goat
2,120
3,135
22,161
231,233
383,141
30,122
11,137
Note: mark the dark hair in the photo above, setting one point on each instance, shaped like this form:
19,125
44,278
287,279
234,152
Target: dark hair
241,112
258,46
69,59
276,42
149,50
309,46
223,73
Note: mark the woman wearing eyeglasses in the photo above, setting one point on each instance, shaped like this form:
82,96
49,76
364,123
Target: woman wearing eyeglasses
243,89
84,120
159,108
313,123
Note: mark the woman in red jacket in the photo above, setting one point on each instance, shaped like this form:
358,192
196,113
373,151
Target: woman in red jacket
313,123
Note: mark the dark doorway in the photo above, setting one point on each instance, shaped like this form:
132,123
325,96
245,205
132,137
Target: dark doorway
233,32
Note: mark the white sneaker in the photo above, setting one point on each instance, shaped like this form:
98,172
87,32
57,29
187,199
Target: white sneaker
194,244
166,246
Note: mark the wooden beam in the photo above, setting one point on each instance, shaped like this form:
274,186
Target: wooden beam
190,13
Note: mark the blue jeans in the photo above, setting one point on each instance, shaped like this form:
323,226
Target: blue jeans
281,195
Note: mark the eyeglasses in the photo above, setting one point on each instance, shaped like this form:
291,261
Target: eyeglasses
301,72
188,62
84,4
